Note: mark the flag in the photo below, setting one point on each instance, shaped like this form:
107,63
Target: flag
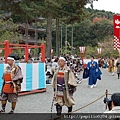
116,32
116,43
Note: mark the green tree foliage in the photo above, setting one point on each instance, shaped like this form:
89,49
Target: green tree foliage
8,31
91,27
91,31
73,11
54,9
107,47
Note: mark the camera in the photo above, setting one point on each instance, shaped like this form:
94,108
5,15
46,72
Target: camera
108,101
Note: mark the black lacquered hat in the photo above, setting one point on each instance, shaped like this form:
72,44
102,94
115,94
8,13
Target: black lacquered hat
13,57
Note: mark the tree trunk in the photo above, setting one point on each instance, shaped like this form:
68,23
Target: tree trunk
49,35
66,39
57,37
72,40
61,39
36,34
36,38
26,31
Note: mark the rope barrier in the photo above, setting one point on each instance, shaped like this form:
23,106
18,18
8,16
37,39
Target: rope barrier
109,94
106,93
79,108
88,104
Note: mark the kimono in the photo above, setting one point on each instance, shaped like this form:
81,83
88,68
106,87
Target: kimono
111,65
85,73
93,72
118,66
64,85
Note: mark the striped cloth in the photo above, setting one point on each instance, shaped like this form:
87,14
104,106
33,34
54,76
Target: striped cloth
33,75
60,83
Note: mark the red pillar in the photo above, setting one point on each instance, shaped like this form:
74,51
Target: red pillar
7,49
98,55
43,52
10,50
26,53
82,56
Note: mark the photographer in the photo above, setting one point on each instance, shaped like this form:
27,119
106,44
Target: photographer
115,103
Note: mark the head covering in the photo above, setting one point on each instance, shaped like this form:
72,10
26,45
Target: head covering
92,56
13,57
62,58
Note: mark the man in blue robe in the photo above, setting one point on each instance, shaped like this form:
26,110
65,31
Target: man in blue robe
93,72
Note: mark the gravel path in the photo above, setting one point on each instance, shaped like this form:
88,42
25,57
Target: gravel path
41,102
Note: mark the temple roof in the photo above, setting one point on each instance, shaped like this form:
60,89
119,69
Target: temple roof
30,28
30,39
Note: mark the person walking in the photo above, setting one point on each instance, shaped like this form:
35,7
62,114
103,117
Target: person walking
12,79
118,67
93,72
111,66
64,86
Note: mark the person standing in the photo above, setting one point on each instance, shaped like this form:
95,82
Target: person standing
118,67
54,66
111,66
12,79
64,86
93,72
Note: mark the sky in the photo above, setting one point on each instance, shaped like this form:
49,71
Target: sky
107,5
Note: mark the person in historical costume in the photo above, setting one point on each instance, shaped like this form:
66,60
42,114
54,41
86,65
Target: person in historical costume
102,62
54,66
111,66
12,79
118,67
64,85
93,72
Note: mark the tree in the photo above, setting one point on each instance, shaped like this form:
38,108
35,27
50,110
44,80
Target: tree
74,12
8,31
55,9
107,47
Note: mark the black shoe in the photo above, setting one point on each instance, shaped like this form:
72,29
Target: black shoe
11,112
2,111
